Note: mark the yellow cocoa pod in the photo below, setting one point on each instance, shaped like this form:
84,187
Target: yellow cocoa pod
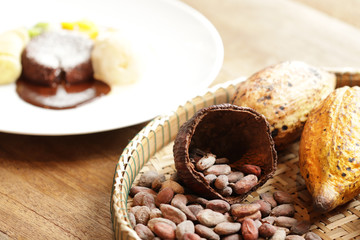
285,94
329,154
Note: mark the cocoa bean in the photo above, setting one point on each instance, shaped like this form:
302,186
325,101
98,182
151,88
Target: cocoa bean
206,232
222,160
172,213
279,234
144,232
184,227
205,162
268,219
267,230
191,198
147,178
287,222
240,210
218,205
235,236
283,197
152,222
248,229
191,236
132,219
174,185
134,209
254,216
265,207
201,201
155,213
258,223
226,192
312,236
210,218
164,196
221,182
294,237
144,199
221,169
226,228
195,208
235,176
179,199
268,197
251,169
301,227
157,183
136,189
245,184
283,210
210,178
164,231
142,215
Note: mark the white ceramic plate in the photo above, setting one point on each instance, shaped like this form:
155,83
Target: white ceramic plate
183,53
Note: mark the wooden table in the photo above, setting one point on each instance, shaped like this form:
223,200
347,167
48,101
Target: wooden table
59,187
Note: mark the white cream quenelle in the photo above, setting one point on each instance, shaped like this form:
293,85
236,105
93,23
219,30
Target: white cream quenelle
115,60
12,44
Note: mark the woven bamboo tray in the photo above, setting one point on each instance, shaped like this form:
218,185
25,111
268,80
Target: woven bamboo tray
151,149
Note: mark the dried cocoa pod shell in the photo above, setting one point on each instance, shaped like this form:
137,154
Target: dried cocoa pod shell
329,149
285,94
238,133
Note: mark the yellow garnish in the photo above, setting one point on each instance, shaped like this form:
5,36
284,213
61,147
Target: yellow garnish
84,26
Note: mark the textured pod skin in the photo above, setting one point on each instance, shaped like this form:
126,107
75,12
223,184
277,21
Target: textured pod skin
285,94
238,133
329,154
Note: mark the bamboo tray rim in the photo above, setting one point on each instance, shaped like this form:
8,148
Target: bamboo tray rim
161,131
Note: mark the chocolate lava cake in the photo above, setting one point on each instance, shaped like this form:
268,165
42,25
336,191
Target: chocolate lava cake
56,56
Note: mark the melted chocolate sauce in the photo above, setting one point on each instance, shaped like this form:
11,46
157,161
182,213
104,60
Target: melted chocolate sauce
61,96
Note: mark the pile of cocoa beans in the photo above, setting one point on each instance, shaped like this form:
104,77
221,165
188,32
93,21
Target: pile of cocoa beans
221,177
163,209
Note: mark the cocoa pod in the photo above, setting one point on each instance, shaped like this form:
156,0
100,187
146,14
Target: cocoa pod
268,197
220,169
283,210
284,221
226,228
210,218
147,178
206,232
267,230
164,231
172,213
251,169
283,197
312,236
248,229
164,196
244,209
184,227
301,227
245,184
218,205
144,232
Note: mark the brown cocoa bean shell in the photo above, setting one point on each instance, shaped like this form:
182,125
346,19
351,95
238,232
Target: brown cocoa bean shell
238,133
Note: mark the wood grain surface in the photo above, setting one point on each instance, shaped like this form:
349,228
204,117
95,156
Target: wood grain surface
59,187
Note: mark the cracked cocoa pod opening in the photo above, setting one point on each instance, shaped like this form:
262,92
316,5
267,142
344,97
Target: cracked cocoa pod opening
239,134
